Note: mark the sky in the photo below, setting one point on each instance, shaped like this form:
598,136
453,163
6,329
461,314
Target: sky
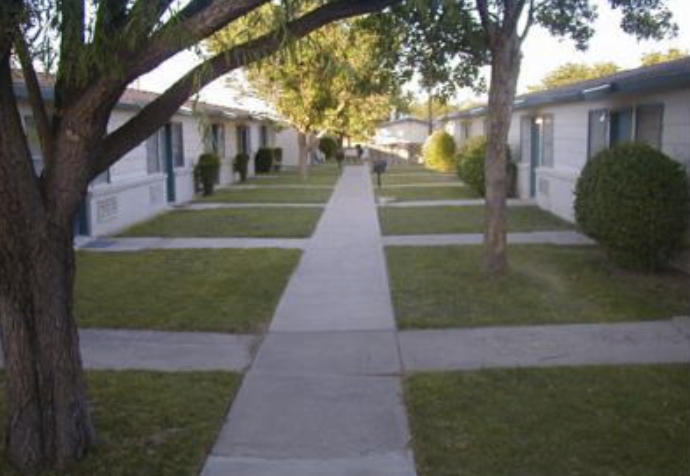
542,53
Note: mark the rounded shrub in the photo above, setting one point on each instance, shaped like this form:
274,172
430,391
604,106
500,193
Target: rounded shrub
439,152
329,146
206,172
470,166
240,165
263,162
634,200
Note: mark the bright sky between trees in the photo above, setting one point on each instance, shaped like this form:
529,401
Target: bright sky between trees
541,54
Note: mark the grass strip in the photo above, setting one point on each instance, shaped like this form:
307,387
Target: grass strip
182,290
439,287
150,424
594,421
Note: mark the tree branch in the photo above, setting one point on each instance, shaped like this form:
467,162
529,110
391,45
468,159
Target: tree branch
35,97
199,20
530,20
71,49
151,117
484,16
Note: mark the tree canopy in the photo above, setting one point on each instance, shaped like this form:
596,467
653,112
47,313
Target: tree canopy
339,79
574,72
656,57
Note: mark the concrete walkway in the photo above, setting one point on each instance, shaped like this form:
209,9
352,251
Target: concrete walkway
372,353
534,237
216,206
651,342
116,245
469,202
323,396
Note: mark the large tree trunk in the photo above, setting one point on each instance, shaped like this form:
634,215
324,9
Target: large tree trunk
47,421
505,69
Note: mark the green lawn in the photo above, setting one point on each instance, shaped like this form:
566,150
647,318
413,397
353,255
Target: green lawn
239,194
425,193
593,421
429,220
438,287
150,424
420,178
231,222
182,290
405,168
315,176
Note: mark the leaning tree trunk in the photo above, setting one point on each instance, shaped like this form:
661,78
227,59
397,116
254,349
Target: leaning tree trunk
47,421
505,69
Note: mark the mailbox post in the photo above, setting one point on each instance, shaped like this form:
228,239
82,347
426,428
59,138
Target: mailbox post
379,169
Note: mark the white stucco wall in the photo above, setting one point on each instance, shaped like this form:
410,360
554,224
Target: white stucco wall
288,140
400,132
555,185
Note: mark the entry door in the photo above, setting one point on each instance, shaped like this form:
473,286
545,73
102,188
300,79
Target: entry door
81,224
169,161
536,152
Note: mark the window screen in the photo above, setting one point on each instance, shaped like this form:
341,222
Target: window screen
598,128
547,140
648,126
177,144
525,139
153,153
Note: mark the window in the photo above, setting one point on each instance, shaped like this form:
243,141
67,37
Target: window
243,139
215,139
598,130
102,178
155,146
264,136
536,140
620,126
177,144
547,140
648,124
611,127
465,130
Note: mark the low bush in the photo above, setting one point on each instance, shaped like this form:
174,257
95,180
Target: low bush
240,165
277,159
206,172
470,166
263,161
439,152
634,200
329,146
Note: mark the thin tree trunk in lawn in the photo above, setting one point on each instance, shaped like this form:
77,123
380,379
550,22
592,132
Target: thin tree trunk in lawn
303,154
505,69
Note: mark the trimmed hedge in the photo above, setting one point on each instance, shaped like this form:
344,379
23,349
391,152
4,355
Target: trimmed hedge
635,201
329,146
263,161
241,165
470,166
206,172
439,152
